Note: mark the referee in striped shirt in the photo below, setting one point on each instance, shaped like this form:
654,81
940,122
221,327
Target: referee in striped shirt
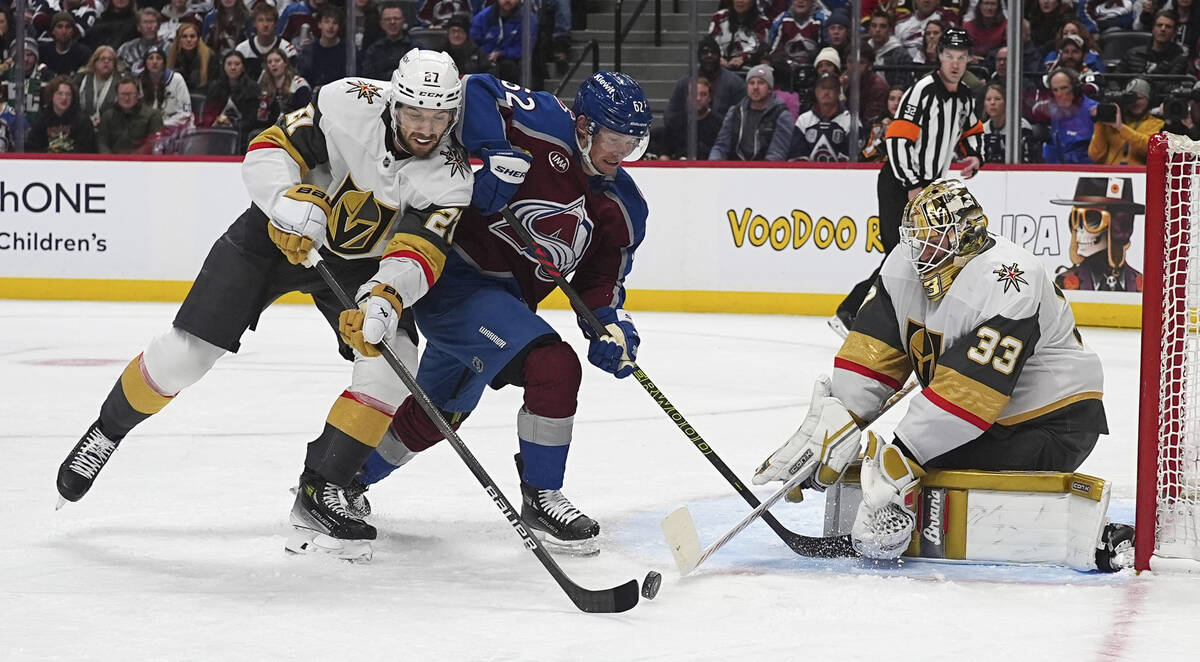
936,117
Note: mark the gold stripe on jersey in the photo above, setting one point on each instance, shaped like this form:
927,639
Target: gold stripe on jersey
433,255
275,137
875,354
141,396
982,401
364,423
1042,411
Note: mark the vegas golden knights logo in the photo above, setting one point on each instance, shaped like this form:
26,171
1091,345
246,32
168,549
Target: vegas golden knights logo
358,221
924,350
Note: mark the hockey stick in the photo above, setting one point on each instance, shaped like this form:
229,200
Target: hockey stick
612,600
680,530
800,544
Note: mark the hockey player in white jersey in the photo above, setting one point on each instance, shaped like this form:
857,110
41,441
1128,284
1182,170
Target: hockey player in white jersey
1008,384
370,174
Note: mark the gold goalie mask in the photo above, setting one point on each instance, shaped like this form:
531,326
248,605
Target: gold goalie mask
942,229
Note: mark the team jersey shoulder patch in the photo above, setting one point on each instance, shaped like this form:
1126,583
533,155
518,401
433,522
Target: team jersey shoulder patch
455,158
1011,276
363,89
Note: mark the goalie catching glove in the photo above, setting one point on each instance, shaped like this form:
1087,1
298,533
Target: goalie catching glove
298,221
827,441
376,318
887,515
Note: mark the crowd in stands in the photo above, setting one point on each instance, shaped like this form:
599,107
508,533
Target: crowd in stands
1101,76
128,76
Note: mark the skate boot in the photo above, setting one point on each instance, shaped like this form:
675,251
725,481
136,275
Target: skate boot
77,473
1115,551
322,525
356,499
556,521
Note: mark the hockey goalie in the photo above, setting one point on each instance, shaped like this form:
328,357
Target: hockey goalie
981,465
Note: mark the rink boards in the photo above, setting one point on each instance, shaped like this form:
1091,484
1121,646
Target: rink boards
791,238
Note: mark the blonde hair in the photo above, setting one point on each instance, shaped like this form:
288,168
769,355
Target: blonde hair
101,50
203,52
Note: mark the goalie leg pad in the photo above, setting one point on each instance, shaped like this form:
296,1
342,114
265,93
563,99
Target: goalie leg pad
1045,518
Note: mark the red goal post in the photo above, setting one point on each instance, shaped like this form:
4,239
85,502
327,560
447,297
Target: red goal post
1168,472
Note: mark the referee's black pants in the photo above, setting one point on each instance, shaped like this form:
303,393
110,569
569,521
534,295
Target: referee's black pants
893,195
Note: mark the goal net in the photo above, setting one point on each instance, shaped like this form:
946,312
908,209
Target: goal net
1168,496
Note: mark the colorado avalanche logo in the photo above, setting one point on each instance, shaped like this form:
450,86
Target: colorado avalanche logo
564,230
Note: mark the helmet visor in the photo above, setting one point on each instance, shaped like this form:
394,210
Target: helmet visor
411,122
620,146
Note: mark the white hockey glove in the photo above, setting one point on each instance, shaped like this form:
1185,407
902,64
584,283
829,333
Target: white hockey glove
298,221
376,318
887,515
827,442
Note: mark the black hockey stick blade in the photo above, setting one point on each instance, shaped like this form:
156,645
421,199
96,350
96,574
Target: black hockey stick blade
617,599
608,601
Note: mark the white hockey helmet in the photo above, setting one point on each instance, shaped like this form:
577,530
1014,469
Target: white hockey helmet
426,79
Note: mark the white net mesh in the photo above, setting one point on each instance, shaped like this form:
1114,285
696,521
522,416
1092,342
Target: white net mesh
1178,508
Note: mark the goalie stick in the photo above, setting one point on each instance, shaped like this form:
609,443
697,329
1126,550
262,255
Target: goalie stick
800,544
680,530
605,601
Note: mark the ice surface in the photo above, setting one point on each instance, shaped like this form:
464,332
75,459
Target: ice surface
177,553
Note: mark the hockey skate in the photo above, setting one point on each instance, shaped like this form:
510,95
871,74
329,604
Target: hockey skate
356,499
1115,551
322,524
556,521
77,473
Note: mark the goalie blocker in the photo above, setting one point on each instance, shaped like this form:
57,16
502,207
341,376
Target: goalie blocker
1033,517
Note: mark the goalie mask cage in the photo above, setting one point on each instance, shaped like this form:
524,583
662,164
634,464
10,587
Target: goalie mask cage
1168,491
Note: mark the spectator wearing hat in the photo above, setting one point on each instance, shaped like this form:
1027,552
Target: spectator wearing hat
911,31
164,90
828,62
379,59
130,126
63,54
61,127
757,129
795,35
1161,55
1125,140
36,74
888,49
837,32
1071,52
1089,61
823,133
741,34
497,31
133,52
728,89
465,53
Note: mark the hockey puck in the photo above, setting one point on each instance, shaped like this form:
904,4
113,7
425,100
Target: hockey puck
650,585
